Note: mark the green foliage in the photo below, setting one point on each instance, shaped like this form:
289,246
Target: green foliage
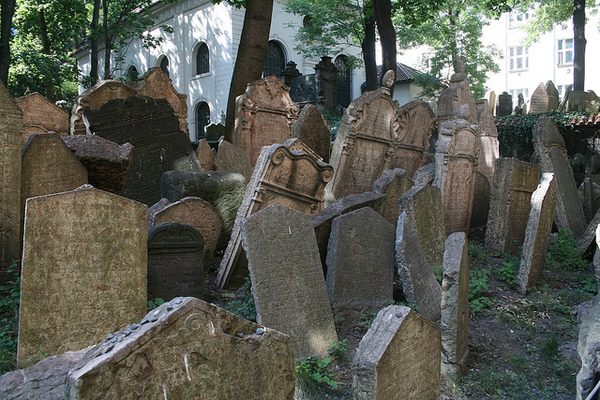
333,120
438,271
550,347
153,303
243,304
507,272
479,286
314,372
9,311
366,318
564,253
339,350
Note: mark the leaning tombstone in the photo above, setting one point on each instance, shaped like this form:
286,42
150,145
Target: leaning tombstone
553,96
488,140
187,349
231,158
539,100
424,175
208,185
311,128
88,278
299,308
393,183
398,358
40,115
504,105
590,233
205,155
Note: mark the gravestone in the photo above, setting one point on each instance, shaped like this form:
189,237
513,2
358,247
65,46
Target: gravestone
158,144
504,105
488,140
106,162
10,184
89,276
289,174
393,183
290,73
587,238
398,358
553,96
550,147
326,81
209,186
264,116
214,132
492,103
40,115
514,182
311,128
304,89
299,308
175,261
537,235
424,175
481,202
187,349
360,261
539,100
455,306
588,197
205,155
231,158
588,348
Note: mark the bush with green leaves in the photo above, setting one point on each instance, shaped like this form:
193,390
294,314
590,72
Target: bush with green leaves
154,303
564,254
507,273
9,312
479,286
243,304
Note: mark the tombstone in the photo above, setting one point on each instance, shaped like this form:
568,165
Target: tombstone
553,96
537,235
455,306
290,73
89,276
492,103
588,198
205,155
488,140
550,147
304,89
40,115
588,348
158,144
300,307
424,175
231,158
513,184
326,82
311,128
481,204
187,349
265,114
106,162
209,186
214,132
175,261
393,183
504,105
193,211
360,261
587,238
10,184
288,174
539,100
398,358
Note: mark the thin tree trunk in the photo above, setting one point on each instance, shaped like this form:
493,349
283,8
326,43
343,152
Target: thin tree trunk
368,46
94,43
44,32
387,34
107,40
8,10
579,44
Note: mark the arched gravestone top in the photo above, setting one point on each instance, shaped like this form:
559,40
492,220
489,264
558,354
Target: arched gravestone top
416,121
553,96
173,235
41,115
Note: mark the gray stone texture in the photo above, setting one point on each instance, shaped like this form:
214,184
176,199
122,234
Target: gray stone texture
539,100
231,158
205,155
209,186
311,128
504,105
393,183
424,175
588,347
488,140
553,96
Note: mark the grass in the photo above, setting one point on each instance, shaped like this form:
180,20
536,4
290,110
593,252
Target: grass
9,312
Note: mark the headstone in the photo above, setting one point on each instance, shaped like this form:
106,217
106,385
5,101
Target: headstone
514,182
89,276
326,82
481,202
264,116
158,144
588,198
299,307
550,147
589,234
413,134
504,105
187,349
214,132
588,348
106,162
289,174
398,358
424,175
231,158
492,103
488,139
553,96
209,186
304,89
175,261
537,235
393,183
290,73
311,128
205,155
40,115
455,306
539,100
360,261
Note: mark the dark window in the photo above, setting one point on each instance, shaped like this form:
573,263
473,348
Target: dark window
202,59
202,119
275,59
164,65
344,81
132,74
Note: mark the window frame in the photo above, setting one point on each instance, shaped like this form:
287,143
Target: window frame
281,48
562,51
199,104
514,58
200,46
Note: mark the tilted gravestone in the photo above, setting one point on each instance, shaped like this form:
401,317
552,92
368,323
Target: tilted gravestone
514,182
398,358
281,247
89,276
175,261
537,234
539,100
589,234
205,155
231,158
187,349
40,115
424,175
393,183
588,348
264,116
553,96
488,140
312,130
504,105
289,174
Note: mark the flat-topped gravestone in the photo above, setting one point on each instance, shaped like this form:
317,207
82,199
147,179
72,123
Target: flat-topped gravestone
281,247
264,116
311,128
514,182
40,115
488,140
398,358
89,276
205,155
393,183
550,147
175,261
504,105
537,234
289,174
231,158
187,349
539,100
553,96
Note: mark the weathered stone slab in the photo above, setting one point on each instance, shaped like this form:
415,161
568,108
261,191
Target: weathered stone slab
488,140
393,183
481,202
106,162
514,182
398,358
264,116
281,247
455,306
231,158
588,347
40,115
492,102
205,155
596,263
187,349
311,128
550,147
209,186
553,96
539,100
89,276
424,175
415,122
537,234
214,132
289,174
504,105
589,234
360,260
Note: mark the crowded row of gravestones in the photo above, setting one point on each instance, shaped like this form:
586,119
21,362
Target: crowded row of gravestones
123,210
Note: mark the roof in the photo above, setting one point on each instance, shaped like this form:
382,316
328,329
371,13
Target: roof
404,73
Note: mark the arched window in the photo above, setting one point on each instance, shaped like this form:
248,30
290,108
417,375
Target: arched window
344,81
276,59
202,59
164,64
202,119
132,74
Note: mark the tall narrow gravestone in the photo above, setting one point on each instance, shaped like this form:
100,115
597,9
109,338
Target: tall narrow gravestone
83,270
490,146
281,247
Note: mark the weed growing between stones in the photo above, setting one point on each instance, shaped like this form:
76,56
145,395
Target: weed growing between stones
507,273
564,253
314,374
153,303
243,304
9,312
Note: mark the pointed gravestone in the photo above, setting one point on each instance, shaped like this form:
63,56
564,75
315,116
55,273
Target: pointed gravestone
311,128
187,349
40,115
504,105
231,158
205,155
281,247
539,100
553,96
89,276
393,183
537,235
398,358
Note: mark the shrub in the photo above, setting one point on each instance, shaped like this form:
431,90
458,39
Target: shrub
243,304
564,252
313,372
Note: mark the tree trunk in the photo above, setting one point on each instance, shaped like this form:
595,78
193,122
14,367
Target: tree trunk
251,56
44,32
107,40
94,43
387,34
579,43
8,10
368,46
